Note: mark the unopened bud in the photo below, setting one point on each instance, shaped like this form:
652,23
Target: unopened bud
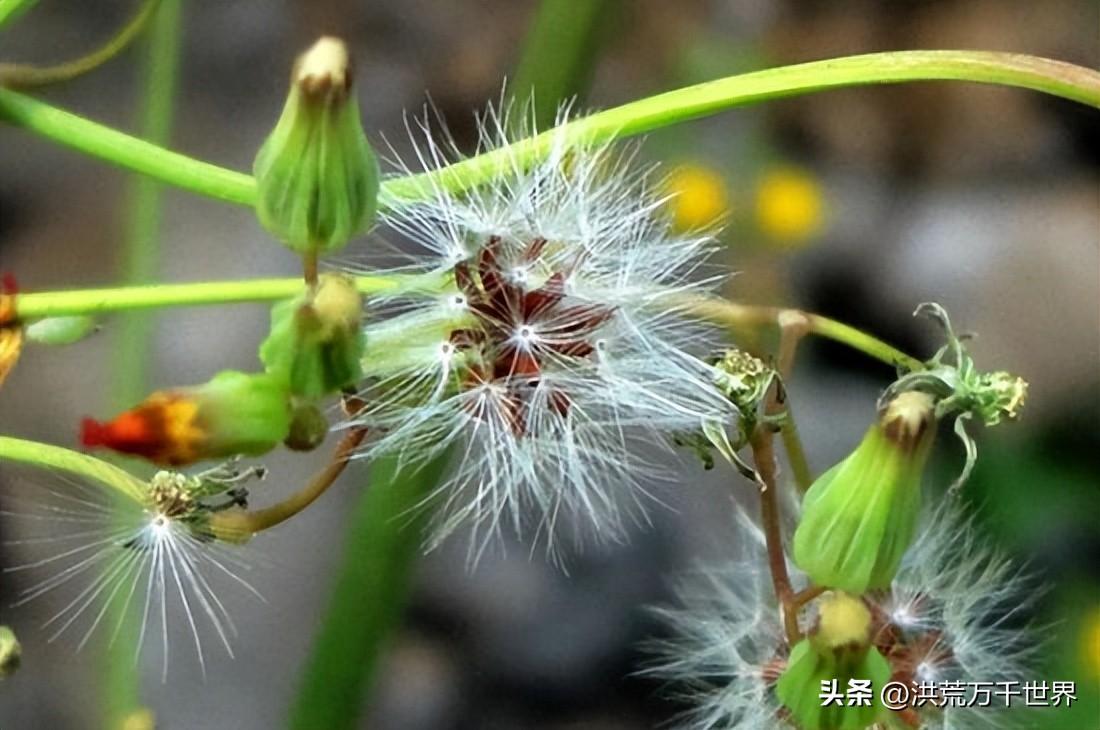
316,173
837,651
60,330
316,341
860,516
11,653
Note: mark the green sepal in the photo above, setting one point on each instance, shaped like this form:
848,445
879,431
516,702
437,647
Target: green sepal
316,341
243,413
799,687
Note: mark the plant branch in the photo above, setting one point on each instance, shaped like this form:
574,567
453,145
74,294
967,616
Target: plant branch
12,9
793,326
693,102
36,305
27,76
770,520
240,525
47,456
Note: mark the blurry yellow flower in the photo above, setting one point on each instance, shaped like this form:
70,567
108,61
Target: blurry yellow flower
140,719
789,206
1092,642
699,197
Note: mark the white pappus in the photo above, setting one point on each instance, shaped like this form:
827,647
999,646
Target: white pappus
958,611
559,356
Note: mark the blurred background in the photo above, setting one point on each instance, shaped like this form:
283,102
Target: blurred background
857,204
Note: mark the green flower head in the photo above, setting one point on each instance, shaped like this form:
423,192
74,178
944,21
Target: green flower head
860,516
316,173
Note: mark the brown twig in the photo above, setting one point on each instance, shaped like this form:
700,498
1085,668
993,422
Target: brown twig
240,525
793,326
764,459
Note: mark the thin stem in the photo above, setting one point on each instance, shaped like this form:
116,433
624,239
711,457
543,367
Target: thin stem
12,9
747,316
793,326
121,681
764,459
125,150
26,76
309,267
47,456
804,596
693,102
371,586
36,305
796,454
239,525
559,55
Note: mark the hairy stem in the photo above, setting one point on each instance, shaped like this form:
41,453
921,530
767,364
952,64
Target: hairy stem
693,102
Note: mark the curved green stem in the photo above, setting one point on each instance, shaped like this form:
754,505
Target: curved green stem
12,9
125,150
1007,69
45,456
747,316
27,76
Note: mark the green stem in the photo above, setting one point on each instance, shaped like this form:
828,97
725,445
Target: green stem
37,305
121,693
367,602
126,151
12,9
1007,69
26,76
45,456
558,56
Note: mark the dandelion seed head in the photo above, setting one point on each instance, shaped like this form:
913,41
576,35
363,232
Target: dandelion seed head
726,649
99,557
564,345
957,612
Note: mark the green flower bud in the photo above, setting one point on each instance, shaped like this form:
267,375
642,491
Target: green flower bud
11,653
860,516
838,651
316,174
60,330
316,341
